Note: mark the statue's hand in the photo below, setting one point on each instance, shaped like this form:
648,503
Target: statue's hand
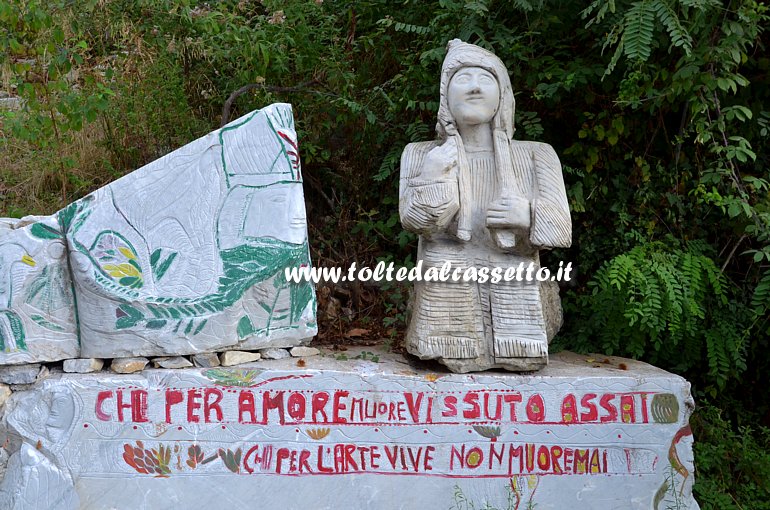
441,161
509,212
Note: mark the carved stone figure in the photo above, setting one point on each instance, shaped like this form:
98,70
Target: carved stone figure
480,199
37,475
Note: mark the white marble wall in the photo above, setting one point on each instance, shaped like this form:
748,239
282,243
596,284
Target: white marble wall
368,432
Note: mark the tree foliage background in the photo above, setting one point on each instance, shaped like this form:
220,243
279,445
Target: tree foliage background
658,108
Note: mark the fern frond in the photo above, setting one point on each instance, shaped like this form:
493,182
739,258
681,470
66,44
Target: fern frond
679,36
638,28
760,300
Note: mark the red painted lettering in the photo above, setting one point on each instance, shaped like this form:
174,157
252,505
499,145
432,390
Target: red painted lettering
495,455
296,406
415,460
450,404
173,397
414,407
321,467
428,458
512,399
247,405
392,455
474,412
607,405
283,454
581,462
627,409
137,404
543,458
349,460
338,406
100,398
274,402
592,414
319,403
373,456
193,404
556,453
535,409
212,404
498,414
568,452
569,409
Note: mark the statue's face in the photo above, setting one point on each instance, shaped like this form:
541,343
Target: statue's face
473,96
278,212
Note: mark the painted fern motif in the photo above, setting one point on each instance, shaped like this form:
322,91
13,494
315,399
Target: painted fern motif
244,267
11,332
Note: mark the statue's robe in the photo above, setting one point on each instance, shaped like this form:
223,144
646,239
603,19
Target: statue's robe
498,325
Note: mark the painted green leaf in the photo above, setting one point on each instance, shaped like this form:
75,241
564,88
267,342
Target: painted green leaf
131,281
43,231
76,212
17,330
487,431
155,257
200,327
46,323
242,378
230,459
301,295
155,323
245,327
163,267
127,316
660,495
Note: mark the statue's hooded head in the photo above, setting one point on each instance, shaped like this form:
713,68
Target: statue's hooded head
460,55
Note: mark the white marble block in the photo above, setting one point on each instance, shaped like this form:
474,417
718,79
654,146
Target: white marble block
37,309
187,254
356,433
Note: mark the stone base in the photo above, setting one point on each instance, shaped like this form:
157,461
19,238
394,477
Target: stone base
354,430
464,366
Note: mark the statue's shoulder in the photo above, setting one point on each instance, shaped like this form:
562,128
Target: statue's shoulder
532,146
413,156
543,154
418,149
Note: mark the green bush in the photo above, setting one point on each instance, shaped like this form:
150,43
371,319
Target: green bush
732,464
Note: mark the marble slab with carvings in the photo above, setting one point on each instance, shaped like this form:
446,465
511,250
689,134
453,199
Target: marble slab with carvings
184,255
37,304
355,430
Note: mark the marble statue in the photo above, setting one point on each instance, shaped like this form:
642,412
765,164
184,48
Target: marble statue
478,198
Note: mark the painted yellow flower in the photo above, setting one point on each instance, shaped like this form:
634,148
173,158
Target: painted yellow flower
121,270
130,255
28,260
532,481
